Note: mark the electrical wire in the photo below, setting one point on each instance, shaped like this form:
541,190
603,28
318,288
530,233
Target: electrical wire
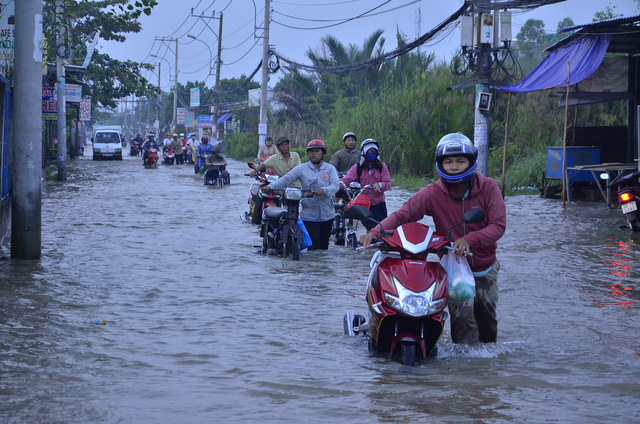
339,23
316,4
243,56
340,20
451,20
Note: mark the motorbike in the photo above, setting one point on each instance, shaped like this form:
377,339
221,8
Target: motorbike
628,183
152,159
134,150
346,230
280,231
406,294
216,174
189,153
268,199
169,156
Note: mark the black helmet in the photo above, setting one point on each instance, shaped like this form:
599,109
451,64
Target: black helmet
282,140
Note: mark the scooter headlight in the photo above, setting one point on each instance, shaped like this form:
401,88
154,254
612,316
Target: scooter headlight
272,178
293,193
415,304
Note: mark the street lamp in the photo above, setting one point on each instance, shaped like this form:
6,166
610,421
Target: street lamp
175,90
209,48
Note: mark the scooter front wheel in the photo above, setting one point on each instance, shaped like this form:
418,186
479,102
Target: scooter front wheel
293,247
406,354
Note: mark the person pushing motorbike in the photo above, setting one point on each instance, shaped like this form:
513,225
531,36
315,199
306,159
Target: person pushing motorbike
281,163
322,179
460,189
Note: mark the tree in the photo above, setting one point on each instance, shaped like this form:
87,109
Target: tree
106,79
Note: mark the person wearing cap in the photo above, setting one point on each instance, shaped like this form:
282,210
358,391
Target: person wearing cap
281,163
458,190
371,171
348,156
321,178
267,149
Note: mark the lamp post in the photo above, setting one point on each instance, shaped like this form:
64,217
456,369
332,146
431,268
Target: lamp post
176,83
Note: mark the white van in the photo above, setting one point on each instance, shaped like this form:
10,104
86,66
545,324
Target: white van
107,145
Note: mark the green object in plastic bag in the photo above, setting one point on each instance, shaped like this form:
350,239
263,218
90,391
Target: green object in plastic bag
461,285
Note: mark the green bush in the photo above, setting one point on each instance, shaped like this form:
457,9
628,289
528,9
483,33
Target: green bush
241,145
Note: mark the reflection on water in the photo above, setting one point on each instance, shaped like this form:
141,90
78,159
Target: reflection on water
621,291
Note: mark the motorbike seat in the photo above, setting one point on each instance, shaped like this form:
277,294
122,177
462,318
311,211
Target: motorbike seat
273,214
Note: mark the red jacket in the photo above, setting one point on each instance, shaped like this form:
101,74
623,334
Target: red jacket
434,200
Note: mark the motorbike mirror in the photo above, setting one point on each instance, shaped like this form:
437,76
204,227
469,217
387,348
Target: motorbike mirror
473,216
251,165
604,176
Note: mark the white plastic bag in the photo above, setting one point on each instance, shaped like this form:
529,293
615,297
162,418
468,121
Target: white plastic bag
461,285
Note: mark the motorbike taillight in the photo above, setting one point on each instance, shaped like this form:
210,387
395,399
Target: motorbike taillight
625,197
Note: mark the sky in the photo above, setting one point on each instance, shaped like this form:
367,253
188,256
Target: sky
297,26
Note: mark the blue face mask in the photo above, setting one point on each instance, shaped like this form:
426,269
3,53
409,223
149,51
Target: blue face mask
372,156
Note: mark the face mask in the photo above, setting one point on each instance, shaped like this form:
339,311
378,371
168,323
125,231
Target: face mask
371,156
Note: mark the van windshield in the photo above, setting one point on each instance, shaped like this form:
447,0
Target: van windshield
111,137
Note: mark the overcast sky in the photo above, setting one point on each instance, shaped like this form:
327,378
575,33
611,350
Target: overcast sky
242,51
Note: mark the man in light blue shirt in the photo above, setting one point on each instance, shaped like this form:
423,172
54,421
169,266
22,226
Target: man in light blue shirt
321,178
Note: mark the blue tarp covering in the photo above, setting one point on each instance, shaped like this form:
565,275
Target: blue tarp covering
224,118
584,57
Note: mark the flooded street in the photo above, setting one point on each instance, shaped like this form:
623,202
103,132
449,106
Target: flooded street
201,328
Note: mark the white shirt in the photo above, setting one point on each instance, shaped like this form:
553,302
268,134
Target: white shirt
167,141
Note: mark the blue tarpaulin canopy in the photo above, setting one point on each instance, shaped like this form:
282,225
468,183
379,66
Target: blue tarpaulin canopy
584,57
224,118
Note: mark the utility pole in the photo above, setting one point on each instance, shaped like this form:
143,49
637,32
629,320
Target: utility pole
158,101
26,162
218,63
62,101
262,127
175,87
174,123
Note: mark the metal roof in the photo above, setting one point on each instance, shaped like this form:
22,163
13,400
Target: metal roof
625,31
606,22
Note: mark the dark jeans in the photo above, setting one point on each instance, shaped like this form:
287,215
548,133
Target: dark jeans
319,233
378,212
179,158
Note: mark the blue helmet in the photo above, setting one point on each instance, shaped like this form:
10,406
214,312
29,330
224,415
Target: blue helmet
456,144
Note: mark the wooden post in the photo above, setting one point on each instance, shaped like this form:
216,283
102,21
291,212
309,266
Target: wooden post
564,141
504,153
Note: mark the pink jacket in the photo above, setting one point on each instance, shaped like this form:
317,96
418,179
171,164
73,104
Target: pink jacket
370,178
434,200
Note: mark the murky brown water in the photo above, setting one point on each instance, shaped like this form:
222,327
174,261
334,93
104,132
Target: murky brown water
202,329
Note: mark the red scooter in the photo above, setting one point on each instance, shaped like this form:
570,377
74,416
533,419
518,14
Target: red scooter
270,199
406,294
152,159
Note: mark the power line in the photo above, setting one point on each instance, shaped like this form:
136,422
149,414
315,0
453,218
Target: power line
339,23
340,20
382,58
317,4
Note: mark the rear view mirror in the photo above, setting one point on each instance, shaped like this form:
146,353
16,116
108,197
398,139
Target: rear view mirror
473,216
251,165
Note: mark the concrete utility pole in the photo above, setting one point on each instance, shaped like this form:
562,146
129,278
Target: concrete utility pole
26,164
62,102
158,101
175,95
264,89
218,64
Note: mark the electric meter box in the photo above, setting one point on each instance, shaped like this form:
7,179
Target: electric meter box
486,28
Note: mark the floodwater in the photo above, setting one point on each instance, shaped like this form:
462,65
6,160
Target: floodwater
200,328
